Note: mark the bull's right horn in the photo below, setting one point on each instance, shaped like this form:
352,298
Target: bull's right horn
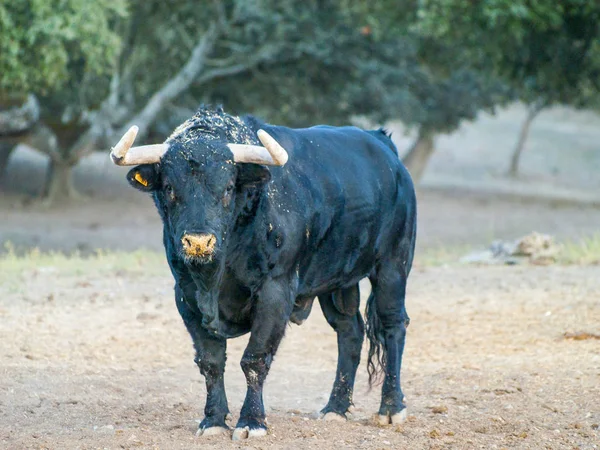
123,154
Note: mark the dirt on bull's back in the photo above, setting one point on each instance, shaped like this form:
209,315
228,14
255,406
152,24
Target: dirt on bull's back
93,360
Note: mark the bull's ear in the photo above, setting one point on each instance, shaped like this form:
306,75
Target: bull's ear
252,175
144,177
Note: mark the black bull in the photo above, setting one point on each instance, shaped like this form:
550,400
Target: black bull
343,208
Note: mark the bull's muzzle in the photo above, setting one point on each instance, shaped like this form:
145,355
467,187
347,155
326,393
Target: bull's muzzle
199,245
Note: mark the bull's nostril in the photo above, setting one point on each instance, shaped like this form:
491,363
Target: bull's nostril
199,244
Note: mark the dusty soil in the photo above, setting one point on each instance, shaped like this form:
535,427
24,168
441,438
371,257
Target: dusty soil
102,360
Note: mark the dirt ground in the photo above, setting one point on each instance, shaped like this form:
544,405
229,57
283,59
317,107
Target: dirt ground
102,360
94,355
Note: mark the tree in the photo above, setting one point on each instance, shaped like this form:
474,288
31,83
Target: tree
547,51
377,65
298,62
532,112
96,75
168,52
48,48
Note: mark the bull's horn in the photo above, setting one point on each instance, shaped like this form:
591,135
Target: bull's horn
123,154
272,154
277,152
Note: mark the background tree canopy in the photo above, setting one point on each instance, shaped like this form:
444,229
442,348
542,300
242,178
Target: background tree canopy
547,51
97,67
47,45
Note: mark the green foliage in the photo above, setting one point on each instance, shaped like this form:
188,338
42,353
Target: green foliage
363,58
320,61
44,44
546,49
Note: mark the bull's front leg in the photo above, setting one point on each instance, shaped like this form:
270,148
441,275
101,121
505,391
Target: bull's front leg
270,313
210,358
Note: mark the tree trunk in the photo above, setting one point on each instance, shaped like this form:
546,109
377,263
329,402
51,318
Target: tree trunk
6,148
59,184
523,135
418,156
58,187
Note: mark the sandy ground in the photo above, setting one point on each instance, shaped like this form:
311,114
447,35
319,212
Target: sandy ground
102,360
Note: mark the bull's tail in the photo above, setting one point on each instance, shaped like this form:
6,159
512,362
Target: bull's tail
377,357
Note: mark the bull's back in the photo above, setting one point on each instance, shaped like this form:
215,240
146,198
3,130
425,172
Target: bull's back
345,190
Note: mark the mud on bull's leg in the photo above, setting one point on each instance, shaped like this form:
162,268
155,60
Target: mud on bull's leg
271,314
349,326
252,421
210,358
211,362
389,291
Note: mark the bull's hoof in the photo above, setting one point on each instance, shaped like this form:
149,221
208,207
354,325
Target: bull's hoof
213,425
249,428
332,417
247,432
211,431
335,412
392,419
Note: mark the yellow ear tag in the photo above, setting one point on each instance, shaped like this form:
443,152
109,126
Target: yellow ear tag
140,179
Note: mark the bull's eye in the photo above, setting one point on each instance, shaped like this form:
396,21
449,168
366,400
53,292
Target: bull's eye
169,192
227,194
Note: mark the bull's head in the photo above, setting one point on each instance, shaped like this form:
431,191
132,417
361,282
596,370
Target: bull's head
194,183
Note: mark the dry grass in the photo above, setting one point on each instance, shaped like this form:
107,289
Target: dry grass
580,252
441,255
139,261
585,251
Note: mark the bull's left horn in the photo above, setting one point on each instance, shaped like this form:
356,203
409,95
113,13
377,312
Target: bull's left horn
278,153
123,154
272,154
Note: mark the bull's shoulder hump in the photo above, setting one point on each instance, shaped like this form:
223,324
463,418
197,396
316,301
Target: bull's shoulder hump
324,135
317,130
346,142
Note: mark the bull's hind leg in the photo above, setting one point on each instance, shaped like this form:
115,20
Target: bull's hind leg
387,321
341,311
210,358
271,313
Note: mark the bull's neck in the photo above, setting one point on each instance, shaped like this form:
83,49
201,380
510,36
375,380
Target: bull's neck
251,210
246,247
